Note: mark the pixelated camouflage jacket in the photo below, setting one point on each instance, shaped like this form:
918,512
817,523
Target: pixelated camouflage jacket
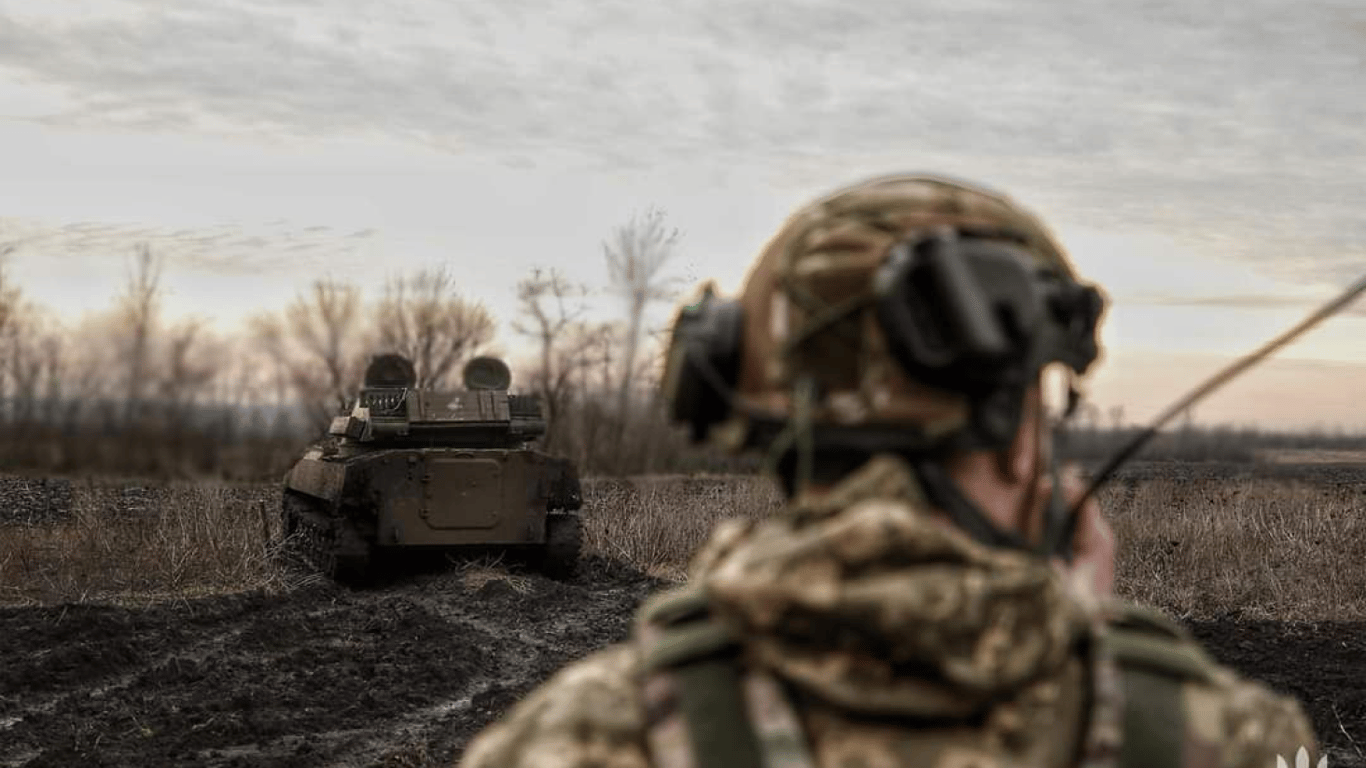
861,631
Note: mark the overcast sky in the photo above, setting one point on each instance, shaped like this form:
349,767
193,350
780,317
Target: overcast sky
1205,162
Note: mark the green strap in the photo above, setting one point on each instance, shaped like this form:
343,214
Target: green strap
689,643
675,606
1154,720
701,655
1159,656
712,703
1157,660
1135,617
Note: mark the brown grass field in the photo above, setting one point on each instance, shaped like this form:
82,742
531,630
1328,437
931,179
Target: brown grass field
171,606
1284,548
1277,548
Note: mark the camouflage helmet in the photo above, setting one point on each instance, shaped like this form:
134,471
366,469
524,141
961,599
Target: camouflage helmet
826,308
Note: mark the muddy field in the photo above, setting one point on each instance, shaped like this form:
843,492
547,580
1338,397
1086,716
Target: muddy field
405,673
401,675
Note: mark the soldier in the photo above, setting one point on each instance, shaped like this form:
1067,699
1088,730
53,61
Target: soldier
925,597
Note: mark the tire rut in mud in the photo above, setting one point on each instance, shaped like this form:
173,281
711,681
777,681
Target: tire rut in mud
402,674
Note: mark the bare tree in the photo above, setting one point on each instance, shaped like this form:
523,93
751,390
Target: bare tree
137,310
325,325
636,255
11,300
317,345
32,363
566,345
424,318
188,372
92,349
248,376
600,441
55,365
9,294
1117,416
657,356
8,297
270,335
22,346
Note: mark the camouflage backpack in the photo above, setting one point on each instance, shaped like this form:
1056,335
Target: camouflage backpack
705,707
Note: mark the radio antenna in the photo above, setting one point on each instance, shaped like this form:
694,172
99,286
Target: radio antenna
1218,380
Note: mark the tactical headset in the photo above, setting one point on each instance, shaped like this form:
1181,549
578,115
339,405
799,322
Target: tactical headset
962,310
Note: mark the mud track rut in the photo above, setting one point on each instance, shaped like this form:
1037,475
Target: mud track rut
405,674
397,675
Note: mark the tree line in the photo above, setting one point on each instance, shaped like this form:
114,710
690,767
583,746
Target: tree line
130,390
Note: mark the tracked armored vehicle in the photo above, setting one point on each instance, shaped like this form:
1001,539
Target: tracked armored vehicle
417,470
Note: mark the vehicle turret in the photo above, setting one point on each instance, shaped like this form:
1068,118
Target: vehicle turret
390,410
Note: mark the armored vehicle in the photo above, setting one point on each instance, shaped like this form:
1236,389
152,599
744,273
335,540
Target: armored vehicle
412,469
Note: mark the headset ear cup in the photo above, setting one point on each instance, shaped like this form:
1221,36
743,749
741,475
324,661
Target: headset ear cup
704,363
910,320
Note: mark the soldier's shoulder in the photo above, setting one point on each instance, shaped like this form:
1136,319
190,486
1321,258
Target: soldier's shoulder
1182,702
587,714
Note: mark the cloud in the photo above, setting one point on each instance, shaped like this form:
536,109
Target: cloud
306,73
1207,125
225,250
996,77
1248,301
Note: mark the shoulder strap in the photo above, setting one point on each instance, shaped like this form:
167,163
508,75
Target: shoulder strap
1157,660
703,709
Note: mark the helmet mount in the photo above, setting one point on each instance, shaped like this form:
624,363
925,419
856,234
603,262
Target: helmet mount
964,311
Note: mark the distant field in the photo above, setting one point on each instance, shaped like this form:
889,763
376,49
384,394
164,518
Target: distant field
1297,456
1203,539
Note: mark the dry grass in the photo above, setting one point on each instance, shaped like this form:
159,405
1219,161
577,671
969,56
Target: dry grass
1246,548
1201,548
475,573
1206,548
656,523
175,541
